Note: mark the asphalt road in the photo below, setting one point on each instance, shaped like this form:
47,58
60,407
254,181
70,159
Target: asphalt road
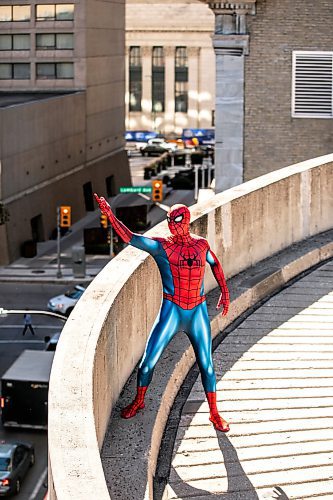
32,296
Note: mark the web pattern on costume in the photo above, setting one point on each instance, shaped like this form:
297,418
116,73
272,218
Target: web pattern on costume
187,266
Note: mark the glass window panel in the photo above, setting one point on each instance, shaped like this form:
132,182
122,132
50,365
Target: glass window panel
65,41
158,56
21,13
135,56
65,12
181,57
21,71
45,41
65,70
5,13
21,42
45,12
5,71
45,71
5,42
181,97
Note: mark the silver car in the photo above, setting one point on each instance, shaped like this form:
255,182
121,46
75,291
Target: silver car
64,304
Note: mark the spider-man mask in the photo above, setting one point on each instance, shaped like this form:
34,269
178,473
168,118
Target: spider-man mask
179,220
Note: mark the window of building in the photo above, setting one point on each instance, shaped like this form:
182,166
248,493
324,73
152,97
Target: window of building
55,12
135,79
158,80
14,71
181,80
54,71
312,85
52,41
10,13
15,42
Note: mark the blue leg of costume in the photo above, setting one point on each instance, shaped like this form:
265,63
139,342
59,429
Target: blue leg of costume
165,327
199,334
195,323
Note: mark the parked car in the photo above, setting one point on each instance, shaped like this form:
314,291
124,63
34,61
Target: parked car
15,460
64,304
158,146
52,342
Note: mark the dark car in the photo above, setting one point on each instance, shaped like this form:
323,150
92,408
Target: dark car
52,342
157,147
15,460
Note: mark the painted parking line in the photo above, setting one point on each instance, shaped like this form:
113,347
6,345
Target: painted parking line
38,486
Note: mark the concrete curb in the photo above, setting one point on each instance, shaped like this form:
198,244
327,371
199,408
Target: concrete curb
270,276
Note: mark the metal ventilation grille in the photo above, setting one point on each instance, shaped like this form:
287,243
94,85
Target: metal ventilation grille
313,84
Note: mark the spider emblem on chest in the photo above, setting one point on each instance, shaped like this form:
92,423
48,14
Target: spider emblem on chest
190,258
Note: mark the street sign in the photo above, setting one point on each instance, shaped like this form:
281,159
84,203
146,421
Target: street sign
135,189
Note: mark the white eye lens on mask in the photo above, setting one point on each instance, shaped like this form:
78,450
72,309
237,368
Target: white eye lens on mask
179,218
168,219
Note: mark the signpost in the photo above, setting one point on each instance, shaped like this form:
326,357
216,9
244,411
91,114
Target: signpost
136,189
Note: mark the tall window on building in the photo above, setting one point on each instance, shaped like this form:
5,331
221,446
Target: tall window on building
55,12
15,42
54,41
158,80
312,85
55,71
135,79
15,71
181,80
9,13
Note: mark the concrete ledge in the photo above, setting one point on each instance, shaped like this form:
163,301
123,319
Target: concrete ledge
105,336
131,448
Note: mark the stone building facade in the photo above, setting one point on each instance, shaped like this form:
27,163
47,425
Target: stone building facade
170,68
250,68
62,113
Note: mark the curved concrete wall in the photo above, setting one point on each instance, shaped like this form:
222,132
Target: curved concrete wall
105,335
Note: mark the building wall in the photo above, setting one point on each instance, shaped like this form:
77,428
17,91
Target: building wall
173,24
51,146
273,138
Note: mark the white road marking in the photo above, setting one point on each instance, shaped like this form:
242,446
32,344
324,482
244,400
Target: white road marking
38,485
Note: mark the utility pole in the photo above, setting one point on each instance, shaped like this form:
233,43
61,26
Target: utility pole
59,273
111,242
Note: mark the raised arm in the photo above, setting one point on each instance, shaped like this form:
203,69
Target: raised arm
137,240
219,276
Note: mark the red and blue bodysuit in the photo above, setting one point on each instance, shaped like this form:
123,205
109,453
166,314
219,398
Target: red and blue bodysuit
181,259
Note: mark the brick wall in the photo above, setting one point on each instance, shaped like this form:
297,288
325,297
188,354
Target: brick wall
273,138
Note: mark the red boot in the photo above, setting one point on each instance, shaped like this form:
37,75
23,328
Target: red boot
219,423
136,405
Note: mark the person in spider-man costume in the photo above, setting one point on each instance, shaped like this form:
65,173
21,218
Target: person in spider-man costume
181,260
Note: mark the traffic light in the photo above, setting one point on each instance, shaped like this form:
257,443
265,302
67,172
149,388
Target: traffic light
65,216
157,191
104,221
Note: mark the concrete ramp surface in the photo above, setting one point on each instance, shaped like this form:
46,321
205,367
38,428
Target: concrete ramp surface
275,387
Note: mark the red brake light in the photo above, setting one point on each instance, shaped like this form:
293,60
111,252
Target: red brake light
5,482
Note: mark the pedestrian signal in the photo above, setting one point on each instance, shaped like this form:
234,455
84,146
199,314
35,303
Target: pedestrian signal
65,216
104,221
157,192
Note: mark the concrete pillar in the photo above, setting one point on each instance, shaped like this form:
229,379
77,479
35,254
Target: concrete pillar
193,86
231,45
146,55
169,115
229,116
127,119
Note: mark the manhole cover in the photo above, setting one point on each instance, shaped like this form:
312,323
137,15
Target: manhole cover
38,271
